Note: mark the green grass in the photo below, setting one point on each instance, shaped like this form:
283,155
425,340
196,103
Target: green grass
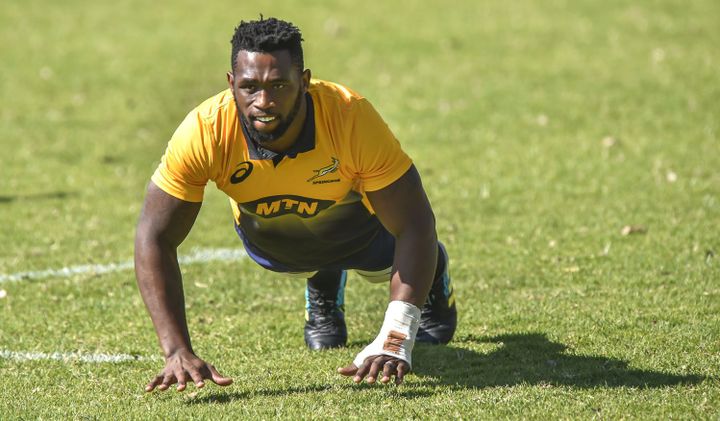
504,107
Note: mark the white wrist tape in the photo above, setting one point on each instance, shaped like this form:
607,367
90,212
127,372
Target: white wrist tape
397,335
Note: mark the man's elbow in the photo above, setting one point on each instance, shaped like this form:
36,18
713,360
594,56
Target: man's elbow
150,245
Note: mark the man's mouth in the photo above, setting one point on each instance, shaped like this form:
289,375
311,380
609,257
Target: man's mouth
265,118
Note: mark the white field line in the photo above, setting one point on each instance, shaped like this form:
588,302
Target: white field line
72,356
196,256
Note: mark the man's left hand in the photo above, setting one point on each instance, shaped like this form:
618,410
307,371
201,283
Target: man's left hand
375,365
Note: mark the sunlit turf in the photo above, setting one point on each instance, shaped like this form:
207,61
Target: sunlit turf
541,130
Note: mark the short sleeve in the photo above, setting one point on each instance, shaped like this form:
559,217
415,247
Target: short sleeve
379,159
185,167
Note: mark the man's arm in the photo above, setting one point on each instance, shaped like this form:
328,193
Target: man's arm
404,209
164,223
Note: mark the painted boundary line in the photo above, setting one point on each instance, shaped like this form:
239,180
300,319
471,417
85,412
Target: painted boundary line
73,356
196,256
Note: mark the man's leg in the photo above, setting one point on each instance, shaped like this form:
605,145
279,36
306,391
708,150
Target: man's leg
325,310
439,315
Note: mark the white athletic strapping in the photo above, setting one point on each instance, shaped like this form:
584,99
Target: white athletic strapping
397,334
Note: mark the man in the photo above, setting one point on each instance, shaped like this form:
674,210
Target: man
318,185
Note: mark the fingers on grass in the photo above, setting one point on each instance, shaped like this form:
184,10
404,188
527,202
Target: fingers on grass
348,370
182,381
197,378
151,386
402,370
218,378
388,370
374,370
168,380
362,370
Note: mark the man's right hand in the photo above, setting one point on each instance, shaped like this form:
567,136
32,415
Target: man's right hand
182,367
164,223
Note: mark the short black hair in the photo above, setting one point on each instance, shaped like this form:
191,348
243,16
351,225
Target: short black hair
268,35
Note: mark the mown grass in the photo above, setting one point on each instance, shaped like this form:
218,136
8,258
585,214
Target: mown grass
541,130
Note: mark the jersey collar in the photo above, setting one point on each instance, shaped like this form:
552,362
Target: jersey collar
305,141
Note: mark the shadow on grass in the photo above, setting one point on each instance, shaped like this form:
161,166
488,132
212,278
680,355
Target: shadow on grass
532,359
521,359
225,397
36,196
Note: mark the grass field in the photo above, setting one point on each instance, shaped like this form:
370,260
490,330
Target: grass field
541,129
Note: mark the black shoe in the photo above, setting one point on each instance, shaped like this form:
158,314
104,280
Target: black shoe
438,319
325,316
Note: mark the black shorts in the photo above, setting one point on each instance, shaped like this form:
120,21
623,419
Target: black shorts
377,255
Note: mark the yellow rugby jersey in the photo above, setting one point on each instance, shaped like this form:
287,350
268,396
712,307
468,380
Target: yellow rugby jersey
305,207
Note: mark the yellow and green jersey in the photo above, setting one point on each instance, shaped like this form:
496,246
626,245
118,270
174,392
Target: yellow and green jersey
306,207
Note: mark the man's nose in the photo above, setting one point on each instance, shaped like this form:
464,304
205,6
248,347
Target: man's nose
264,100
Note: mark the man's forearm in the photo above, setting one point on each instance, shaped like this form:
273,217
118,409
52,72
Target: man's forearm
414,267
415,262
160,283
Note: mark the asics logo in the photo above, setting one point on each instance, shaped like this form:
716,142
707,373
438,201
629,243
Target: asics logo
242,171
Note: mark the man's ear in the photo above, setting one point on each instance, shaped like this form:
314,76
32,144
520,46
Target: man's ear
306,76
231,79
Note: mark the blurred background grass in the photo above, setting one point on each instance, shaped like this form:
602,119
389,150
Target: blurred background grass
541,129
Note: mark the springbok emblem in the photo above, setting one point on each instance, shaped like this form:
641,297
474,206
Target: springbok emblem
325,170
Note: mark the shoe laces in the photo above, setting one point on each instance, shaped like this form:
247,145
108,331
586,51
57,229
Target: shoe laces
321,304
324,315
324,306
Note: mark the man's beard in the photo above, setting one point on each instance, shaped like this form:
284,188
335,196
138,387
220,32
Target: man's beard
265,138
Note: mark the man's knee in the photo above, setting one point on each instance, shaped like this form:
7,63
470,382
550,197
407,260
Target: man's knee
384,275
377,276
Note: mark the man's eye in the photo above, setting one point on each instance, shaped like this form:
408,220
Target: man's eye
279,86
248,88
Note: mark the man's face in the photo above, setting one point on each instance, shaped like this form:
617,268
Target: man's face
268,92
